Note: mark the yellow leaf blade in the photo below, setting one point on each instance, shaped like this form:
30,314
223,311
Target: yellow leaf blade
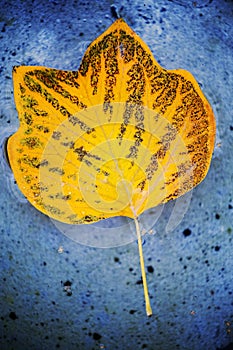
120,130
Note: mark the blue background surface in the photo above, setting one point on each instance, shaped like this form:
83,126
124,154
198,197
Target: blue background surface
56,293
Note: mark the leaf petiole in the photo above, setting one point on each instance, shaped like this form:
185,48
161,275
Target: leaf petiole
146,294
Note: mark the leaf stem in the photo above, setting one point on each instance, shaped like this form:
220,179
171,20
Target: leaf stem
146,294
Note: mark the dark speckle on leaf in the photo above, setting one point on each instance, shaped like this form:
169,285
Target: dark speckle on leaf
187,232
217,216
217,248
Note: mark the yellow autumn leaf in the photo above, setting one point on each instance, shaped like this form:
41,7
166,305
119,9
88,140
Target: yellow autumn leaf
118,136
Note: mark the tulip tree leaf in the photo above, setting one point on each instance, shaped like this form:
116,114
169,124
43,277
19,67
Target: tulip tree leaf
118,136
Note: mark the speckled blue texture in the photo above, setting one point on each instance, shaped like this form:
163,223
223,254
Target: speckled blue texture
56,293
